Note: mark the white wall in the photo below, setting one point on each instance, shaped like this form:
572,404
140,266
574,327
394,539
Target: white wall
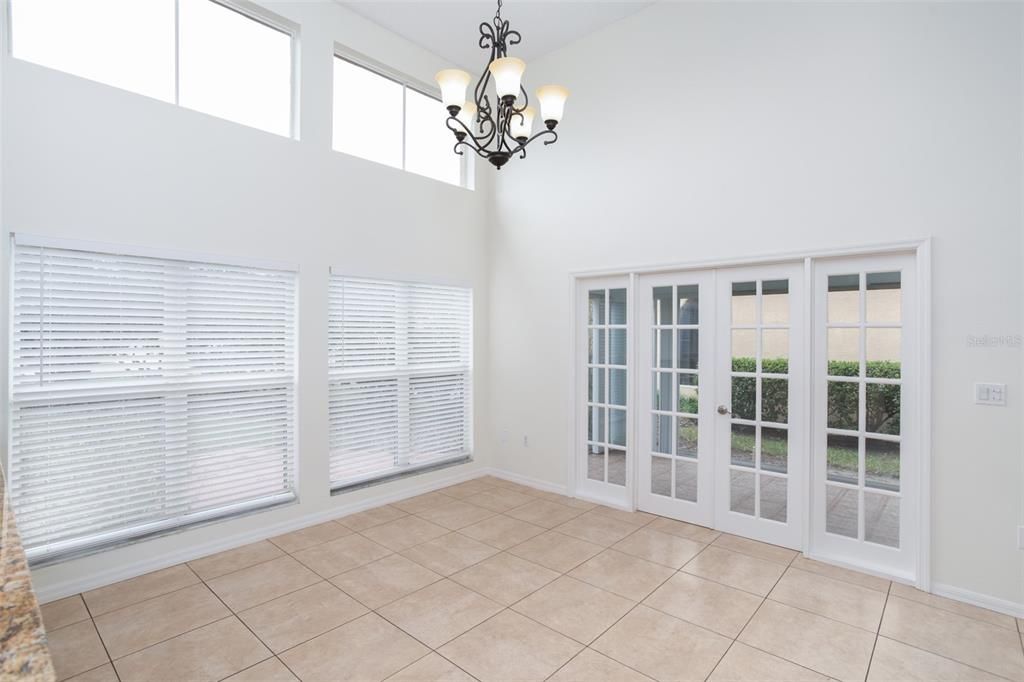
87,161
725,130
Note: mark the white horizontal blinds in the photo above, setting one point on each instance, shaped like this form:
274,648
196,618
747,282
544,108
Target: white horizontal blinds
400,357
147,393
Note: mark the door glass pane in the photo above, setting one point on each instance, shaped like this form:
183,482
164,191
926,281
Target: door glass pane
596,307
688,349
743,397
617,306
841,511
883,297
775,351
843,459
686,480
843,404
616,466
663,306
595,385
687,304
662,397
686,437
741,491
595,424
775,400
773,497
661,436
688,401
617,427
663,348
744,303
882,464
882,352
843,299
843,352
595,462
744,350
617,387
775,449
775,301
743,445
597,350
882,519
883,408
661,476
617,347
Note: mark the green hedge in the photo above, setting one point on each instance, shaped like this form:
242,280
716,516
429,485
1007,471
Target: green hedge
883,400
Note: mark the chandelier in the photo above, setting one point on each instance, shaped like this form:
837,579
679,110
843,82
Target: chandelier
500,132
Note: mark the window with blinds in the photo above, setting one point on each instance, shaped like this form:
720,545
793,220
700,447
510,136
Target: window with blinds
146,393
400,363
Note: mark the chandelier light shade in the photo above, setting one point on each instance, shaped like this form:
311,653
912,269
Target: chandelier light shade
501,129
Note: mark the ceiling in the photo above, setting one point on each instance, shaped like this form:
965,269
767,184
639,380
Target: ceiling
449,27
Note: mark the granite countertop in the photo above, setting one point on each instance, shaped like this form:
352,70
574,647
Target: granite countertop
24,654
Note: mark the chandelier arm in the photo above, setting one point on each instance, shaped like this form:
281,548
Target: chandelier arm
467,131
544,133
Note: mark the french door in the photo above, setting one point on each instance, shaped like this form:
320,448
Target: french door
718,352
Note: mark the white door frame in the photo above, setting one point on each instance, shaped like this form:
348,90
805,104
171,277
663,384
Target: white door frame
922,250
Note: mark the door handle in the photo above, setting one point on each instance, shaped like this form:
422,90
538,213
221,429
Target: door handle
722,409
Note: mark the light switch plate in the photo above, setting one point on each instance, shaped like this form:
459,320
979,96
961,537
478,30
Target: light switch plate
990,394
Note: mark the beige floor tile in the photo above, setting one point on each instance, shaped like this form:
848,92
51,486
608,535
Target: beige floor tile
405,532
505,578
634,518
261,583
590,666
759,550
210,653
681,529
661,646
573,502
957,607
556,551
455,514
385,580
716,607
597,528
747,664
1020,624
574,608
343,554
414,505
989,647
76,649
104,673
432,668
623,574
137,626
836,599
449,553
232,560
829,647
270,670
661,548
894,660
360,521
502,531
138,589
741,571
308,537
544,513
57,614
499,499
829,571
510,647
461,491
518,487
440,612
302,615
368,648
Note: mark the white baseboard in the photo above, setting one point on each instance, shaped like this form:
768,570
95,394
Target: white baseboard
527,481
50,591
985,601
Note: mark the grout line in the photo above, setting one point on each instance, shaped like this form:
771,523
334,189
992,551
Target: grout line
878,630
92,621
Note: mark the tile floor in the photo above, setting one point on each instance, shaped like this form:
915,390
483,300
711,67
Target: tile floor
491,580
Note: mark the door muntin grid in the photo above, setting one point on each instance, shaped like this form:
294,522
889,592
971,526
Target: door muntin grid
759,385
675,334
864,387
607,355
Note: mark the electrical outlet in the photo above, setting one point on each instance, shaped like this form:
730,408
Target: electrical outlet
990,394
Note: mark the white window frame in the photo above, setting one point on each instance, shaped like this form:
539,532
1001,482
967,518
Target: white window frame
466,161
248,9
185,522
